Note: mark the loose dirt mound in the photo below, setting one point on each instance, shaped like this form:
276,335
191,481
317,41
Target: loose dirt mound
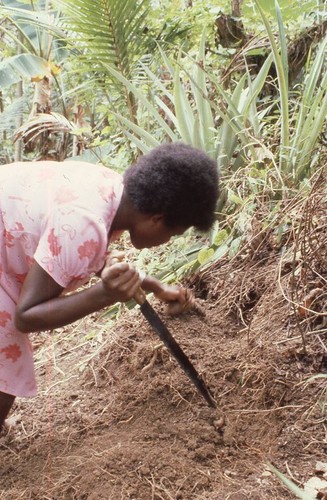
117,418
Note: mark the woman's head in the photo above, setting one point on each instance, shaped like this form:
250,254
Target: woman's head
177,181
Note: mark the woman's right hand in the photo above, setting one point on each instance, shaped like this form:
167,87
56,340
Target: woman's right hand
120,279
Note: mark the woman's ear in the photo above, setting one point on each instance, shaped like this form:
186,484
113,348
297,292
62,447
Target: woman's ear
157,219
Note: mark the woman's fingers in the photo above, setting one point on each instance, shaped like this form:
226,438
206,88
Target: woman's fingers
175,294
112,271
122,279
184,295
114,257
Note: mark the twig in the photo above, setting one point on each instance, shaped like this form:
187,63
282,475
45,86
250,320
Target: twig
323,345
267,411
323,330
290,473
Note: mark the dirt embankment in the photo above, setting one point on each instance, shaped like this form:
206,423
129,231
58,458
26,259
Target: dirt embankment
116,418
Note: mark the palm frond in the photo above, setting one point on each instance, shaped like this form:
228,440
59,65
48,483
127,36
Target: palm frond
44,122
107,32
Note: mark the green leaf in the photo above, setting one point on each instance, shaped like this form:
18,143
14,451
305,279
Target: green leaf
205,118
184,113
228,135
282,82
138,143
290,485
266,5
139,131
220,237
143,100
9,115
232,197
291,10
315,377
205,254
235,245
256,85
310,116
283,42
220,252
169,113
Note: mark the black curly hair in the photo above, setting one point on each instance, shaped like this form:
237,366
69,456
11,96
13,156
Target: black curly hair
177,181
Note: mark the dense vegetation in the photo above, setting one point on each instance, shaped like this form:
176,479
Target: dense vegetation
106,80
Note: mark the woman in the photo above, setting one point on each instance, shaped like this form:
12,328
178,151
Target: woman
56,222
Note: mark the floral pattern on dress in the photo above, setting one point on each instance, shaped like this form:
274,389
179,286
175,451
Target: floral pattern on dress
88,249
9,238
54,246
9,235
12,352
107,194
5,316
65,195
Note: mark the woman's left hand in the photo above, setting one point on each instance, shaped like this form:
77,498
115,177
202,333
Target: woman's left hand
178,299
171,293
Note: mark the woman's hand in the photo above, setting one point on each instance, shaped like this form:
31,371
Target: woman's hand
179,300
120,279
171,293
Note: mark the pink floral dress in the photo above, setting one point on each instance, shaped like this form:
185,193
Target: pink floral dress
59,215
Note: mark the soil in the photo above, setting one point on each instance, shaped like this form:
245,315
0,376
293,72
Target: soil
117,418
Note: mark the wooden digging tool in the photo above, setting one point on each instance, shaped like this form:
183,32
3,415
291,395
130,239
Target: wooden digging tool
169,341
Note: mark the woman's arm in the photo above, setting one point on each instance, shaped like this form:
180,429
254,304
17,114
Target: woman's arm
42,307
166,293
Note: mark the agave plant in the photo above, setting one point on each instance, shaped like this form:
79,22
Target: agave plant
186,111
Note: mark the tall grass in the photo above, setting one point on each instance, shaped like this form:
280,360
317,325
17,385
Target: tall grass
301,121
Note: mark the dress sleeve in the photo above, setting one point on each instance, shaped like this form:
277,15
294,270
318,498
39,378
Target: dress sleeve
72,247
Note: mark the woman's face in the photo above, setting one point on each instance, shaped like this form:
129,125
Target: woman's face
151,231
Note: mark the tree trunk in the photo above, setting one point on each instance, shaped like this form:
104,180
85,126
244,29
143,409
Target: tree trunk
41,100
5,156
18,153
41,104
